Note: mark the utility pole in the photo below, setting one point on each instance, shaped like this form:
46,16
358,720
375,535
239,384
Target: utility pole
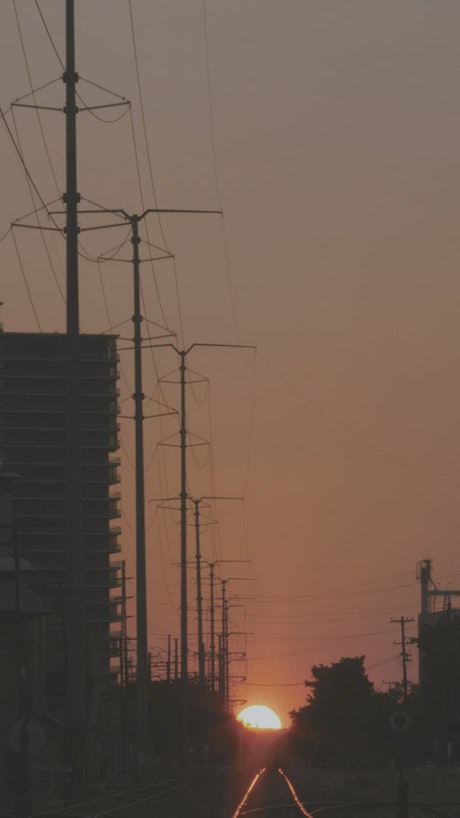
124,679
183,353
75,618
224,674
405,658
142,688
176,660
199,599
400,722
168,662
213,638
212,610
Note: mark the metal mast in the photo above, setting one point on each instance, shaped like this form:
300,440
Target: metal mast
199,598
142,713
76,705
183,557
213,633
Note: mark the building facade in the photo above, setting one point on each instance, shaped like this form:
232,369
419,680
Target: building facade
34,448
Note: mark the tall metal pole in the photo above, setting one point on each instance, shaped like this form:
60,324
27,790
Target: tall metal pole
213,633
183,538
71,197
222,691
168,663
227,659
142,688
76,704
199,598
183,558
176,660
124,680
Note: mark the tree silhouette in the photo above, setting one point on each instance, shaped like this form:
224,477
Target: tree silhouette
345,719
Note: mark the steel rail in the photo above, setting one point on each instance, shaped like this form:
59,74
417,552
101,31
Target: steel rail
296,802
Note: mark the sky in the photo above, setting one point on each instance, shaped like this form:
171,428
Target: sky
327,132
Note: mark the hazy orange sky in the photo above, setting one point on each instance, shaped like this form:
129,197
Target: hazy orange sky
336,127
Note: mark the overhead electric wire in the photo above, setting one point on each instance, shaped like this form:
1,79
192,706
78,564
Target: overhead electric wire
29,77
327,596
2,238
151,176
29,293
26,170
45,146
90,82
275,684
216,545
351,433
216,175
45,26
347,590
251,426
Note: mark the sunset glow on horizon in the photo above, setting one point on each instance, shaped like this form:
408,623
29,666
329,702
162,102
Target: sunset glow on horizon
259,716
300,484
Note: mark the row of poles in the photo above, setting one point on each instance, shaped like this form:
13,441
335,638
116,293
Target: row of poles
213,671
76,688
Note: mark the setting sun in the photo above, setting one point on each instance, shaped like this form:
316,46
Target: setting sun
257,715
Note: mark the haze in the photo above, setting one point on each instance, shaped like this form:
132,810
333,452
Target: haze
336,128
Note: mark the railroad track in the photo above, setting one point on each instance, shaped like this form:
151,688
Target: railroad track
270,790
272,793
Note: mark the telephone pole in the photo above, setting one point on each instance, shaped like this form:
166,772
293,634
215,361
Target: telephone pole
405,658
401,722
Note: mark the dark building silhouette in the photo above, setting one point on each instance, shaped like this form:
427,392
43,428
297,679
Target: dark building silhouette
439,662
33,447
438,629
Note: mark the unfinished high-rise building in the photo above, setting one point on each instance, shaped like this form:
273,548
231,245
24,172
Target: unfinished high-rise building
34,449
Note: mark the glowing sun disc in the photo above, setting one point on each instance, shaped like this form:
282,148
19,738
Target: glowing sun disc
257,715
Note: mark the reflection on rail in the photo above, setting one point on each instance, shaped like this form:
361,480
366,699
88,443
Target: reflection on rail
246,795
293,793
258,779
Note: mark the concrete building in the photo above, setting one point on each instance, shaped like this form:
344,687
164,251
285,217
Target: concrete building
33,446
